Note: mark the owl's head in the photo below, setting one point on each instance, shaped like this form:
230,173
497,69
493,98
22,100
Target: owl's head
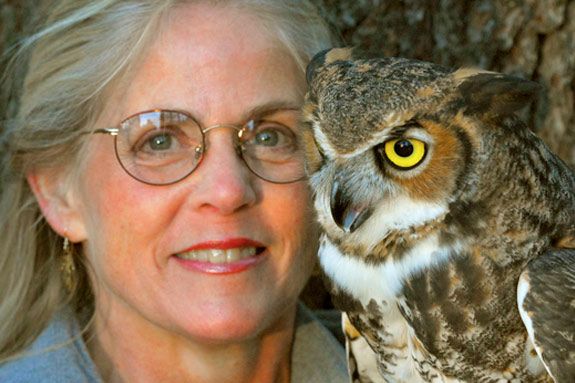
392,143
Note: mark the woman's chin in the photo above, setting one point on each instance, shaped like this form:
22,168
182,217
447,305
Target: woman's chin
224,329
234,323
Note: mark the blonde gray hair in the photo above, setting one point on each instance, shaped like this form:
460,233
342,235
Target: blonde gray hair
85,46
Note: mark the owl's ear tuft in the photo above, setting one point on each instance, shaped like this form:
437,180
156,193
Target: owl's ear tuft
339,54
327,56
495,93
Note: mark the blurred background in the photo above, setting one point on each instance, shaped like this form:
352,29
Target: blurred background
534,39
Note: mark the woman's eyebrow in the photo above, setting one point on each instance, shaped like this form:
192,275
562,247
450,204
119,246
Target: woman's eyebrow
270,108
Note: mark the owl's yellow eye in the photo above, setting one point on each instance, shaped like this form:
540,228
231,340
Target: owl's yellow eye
405,153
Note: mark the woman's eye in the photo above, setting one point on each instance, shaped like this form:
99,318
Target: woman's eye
159,142
271,135
405,153
267,138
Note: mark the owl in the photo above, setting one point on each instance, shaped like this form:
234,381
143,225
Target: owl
448,227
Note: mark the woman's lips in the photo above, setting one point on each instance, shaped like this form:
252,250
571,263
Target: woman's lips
222,257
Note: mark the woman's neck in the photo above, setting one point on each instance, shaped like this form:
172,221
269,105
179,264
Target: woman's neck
127,351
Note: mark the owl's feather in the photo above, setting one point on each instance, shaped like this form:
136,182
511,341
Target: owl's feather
434,200
546,300
362,361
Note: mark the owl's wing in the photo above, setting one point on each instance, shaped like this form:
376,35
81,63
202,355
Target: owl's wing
546,300
361,359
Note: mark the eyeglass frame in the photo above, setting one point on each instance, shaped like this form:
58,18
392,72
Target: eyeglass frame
114,131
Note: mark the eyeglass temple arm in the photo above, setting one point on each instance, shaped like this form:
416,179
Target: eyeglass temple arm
111,131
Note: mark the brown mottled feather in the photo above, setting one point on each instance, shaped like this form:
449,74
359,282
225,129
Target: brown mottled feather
550,305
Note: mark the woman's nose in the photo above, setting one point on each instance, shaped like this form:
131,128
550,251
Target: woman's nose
223,181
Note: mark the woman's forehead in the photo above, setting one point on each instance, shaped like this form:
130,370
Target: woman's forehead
229,28
206,74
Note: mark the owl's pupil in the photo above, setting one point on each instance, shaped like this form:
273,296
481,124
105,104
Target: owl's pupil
403,148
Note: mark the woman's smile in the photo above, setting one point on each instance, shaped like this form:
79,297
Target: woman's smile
222,257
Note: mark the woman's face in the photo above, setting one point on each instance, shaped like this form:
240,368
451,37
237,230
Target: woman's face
218,65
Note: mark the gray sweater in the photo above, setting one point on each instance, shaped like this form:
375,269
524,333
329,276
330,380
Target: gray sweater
59,355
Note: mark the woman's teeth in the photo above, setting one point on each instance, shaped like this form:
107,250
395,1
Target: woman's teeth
219,255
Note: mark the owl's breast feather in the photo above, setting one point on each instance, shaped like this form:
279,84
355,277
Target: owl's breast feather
385,280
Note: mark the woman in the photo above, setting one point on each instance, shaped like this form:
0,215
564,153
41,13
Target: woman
158,141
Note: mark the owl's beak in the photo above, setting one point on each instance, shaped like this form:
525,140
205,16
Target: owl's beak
347,215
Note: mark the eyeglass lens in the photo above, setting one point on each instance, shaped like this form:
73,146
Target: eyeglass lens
162,147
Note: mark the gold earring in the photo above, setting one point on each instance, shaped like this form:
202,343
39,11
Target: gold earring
67,267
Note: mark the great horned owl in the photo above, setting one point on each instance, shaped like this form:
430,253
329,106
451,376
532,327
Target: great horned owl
448,226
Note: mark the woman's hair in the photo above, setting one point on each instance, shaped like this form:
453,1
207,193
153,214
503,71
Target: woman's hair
85,47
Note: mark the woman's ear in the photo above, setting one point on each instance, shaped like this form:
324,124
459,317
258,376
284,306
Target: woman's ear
59,203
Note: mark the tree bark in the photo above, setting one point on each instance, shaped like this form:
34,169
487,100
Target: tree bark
16,22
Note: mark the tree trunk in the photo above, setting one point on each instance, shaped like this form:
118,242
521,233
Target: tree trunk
16,21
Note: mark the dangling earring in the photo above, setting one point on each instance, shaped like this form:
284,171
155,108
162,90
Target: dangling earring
67,267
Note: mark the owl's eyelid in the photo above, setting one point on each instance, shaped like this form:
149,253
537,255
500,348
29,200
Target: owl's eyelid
410,131
410,123
399,131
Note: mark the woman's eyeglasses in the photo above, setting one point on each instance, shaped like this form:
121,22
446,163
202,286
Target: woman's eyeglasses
162,147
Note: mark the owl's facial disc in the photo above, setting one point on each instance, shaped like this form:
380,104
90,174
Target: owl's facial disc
347,215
